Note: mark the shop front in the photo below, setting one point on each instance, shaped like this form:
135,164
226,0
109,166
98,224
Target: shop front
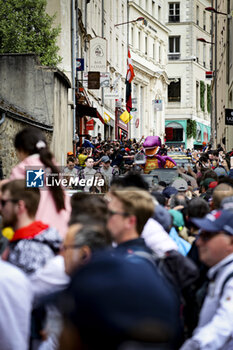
121,128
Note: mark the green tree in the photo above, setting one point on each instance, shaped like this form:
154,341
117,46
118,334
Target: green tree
25,27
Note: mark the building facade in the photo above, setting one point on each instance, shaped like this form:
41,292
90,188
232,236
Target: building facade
188,110
148,42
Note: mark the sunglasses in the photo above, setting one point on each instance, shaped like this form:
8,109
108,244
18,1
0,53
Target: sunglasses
112,212
4,201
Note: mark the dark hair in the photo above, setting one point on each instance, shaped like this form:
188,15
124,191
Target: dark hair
197,208
26,141
88,158
70,159
30,196
92,234
89,204
131,179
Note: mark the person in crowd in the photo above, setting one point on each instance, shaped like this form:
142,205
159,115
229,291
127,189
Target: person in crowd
88,204
16,306
177,226
113,304
87,173
155,231
83,240
70,172
220,192
128,209
106,170
215,246
83,156
97,188
32,151
33,242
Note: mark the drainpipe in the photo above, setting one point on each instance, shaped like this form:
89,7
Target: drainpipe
73,64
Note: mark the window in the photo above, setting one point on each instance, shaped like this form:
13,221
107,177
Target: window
154,51
198,136
174,132
174,48
153,8
159,13
197,50
197,15
174,91
132,35
174,12
204,55
145,45
204,20
197,95
139,41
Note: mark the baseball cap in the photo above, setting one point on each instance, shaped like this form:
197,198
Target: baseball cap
178,219
169,191
180,184
220,171
105,159
162,215
70,153
217,220
206,182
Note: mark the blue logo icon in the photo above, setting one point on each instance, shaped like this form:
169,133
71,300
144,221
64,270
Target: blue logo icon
35,178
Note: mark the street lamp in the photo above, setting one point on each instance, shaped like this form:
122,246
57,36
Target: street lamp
211,9
135,20
205,41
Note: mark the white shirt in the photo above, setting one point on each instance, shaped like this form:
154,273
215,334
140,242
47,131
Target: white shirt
50,278
215,326
15,308
157,238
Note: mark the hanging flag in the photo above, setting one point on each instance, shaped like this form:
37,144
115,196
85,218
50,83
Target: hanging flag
129,78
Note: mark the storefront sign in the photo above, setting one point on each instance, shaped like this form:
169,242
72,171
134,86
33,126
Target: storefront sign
90,125
228,116
98,54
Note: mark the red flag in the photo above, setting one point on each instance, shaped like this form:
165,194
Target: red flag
129,78
130,72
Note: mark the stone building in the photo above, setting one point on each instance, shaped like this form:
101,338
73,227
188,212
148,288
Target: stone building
189,92
33,95
148,41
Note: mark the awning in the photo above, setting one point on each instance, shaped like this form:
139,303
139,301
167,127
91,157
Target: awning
100,117
85,110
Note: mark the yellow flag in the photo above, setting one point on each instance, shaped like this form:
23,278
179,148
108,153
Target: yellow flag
126,117
106,117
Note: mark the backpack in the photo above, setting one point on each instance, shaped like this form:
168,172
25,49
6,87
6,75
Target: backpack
181,273
179,270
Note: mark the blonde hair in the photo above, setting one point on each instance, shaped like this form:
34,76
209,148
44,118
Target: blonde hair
220,192
135,202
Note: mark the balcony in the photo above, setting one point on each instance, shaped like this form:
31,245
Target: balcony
174,56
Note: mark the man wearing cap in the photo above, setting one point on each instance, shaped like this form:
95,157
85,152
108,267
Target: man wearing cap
215,246
205,189
106,169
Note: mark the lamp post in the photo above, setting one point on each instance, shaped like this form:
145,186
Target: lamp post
135,20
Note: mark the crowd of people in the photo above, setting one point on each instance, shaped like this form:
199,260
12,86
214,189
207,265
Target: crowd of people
117,265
